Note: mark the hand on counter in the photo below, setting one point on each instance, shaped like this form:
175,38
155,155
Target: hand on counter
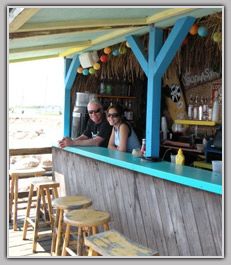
66,141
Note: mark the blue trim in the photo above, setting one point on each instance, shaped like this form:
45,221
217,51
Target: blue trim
67,65
69,81
172,44
185,175
138,51
153,95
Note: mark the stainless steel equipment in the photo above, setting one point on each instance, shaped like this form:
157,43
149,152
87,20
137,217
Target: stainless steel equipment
79,114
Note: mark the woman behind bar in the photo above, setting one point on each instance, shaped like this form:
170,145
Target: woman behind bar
123,138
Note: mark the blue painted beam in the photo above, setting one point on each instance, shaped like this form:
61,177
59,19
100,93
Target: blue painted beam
69,81
159,58
67,65
172,44
153,94
139,52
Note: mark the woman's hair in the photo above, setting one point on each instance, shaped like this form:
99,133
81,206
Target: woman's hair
119,109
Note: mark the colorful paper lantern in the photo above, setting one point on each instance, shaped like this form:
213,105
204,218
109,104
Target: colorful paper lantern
217,37
122,50
80,70
194,29
107,50
85,71
127,44
115,52
96,66
91,71
202,31
103,58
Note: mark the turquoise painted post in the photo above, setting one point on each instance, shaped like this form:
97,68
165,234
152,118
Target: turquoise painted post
159,58
153,94
69,81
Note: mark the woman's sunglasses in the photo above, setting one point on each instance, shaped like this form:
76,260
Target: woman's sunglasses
113,115
94,111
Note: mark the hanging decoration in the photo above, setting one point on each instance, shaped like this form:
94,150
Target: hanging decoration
85,71
127,44
80,70
217,37
194,29
96,66
91,71
107,50
115,52
103,58
202,31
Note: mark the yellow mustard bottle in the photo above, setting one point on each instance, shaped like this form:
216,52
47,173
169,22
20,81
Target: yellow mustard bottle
180,157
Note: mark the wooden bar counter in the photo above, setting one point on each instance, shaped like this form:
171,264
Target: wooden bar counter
174,209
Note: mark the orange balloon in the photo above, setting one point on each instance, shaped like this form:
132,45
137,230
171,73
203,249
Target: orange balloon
79,70
194,29
107,50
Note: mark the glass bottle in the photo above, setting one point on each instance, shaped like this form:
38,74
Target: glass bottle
205,109
195,109
143,147
190,108
200,110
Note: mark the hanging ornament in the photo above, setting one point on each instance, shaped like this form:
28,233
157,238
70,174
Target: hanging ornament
202,31
80,70
96,66
194,29
217,37
103,58
122,50
85,71
127,44
91,71
115,52
107,50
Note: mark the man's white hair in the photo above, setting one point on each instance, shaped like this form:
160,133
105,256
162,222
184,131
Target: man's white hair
95,101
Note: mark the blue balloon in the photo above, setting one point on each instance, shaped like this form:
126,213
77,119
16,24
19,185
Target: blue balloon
202,31
115,52
85,71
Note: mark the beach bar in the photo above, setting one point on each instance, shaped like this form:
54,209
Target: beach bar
164,66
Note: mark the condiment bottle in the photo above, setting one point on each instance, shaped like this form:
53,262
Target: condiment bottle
180,157
143,147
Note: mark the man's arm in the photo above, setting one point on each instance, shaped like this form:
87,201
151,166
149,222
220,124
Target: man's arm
82,140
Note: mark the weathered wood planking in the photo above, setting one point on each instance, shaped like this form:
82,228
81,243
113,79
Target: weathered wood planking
174,219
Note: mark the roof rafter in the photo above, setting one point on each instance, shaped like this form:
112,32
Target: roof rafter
18,21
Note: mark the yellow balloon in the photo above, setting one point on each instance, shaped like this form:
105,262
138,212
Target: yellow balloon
96,66
79,70
217,36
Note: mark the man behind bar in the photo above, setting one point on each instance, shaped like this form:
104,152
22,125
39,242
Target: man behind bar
98,129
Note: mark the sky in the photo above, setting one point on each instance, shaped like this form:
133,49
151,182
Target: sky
36,83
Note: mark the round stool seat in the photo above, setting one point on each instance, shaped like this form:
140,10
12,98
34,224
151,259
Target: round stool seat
71,202
42,181
87,217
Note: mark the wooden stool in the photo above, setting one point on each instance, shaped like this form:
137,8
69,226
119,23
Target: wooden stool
87,221
112,243
15,175
62,204
43,187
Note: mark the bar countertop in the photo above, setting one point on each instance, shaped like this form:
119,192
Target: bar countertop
185,175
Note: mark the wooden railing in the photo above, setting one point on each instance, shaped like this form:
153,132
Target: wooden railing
30,151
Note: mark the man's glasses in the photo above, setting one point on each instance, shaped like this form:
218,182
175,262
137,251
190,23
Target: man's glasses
113,115
94,111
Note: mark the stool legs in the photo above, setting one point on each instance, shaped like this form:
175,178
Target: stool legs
66,240
15,202
25,225
57,237
11,197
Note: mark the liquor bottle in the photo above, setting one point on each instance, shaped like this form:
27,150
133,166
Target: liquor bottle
205,109
210,109
130,111
215,113
195,109
200,110
190,108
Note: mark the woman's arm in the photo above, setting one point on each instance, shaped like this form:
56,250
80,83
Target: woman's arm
124,131
111,143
